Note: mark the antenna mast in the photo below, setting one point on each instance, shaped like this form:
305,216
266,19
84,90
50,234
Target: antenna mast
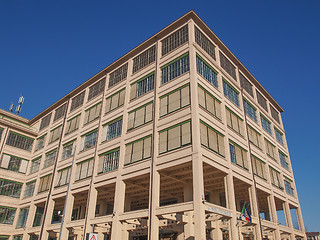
20,102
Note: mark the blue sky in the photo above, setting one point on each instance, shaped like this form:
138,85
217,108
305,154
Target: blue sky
47,48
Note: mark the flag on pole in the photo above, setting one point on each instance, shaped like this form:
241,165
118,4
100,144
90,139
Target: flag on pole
245,214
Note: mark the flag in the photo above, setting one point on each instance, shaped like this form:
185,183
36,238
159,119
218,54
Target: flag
245,215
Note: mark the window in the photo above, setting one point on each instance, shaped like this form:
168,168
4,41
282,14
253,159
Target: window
22,220
84,169
275,178
68,149
175,100
44,184
96,89
55,134
72,124
92,113
1,131
116,100
175,68
283,160
238,155
254,136
270,149
118,75
288,187
45,121
245,84
234,121
13,163
28,192
175,40
206,71
50,158
10,188
209,102
231,93
20,141
262,101
63,177
34,237
144,59
142,86
140,116
40,142
175,137
228,66
279,136
266,124
250,110
258,167
7,215
37,218
138,150
89,140
35,165
77,101
112,129
211,138
205,43
60,112
18,237
274,114
109,161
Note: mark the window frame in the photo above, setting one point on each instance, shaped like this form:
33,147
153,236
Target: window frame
180,100
166,70
181,145
229,89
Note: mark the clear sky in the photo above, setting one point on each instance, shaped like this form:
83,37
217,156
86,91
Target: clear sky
47,48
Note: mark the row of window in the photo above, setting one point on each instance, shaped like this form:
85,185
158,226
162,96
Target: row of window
214,140
210,74
206,45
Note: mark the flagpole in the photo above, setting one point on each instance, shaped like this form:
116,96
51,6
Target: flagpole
253,177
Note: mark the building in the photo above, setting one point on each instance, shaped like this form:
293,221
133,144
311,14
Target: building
313,235
174,140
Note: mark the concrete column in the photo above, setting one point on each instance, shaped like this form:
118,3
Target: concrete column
300,221
189,227
32,211
273,211
255,211
187,192
116,231
47,219
91,208
286,210
233,230
155,204
216,233
124,234
197,163
67,217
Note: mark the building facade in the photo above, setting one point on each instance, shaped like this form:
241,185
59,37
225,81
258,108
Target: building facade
174,140
313,235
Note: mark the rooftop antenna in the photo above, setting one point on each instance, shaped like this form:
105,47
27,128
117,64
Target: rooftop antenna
20,102
11,109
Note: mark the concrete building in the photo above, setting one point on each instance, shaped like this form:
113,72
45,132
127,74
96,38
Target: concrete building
313,235
174,140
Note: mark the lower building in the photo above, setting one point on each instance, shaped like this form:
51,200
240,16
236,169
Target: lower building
313,235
